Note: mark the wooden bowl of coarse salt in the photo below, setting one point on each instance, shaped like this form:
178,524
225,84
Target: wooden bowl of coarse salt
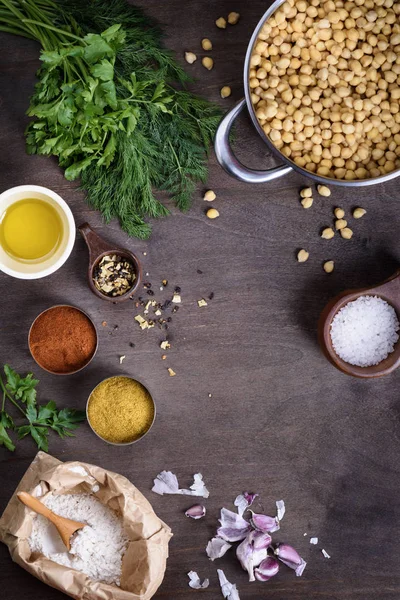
358,330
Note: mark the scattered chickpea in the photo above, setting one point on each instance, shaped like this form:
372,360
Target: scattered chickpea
233,18
190,57
359,212
307,202
226,91
221,23
209,196
340,224
339,213
323,190
327,233
212,213
207,62
346,233
206,44
329,265
302,256
306,192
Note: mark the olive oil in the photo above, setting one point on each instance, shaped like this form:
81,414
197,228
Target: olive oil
30,230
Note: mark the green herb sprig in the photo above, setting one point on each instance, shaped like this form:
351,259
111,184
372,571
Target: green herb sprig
38,420
109,104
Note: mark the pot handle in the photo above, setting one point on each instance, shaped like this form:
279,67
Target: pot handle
228,160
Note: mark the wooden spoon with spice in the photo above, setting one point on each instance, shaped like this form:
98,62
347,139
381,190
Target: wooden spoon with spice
65,527
114,274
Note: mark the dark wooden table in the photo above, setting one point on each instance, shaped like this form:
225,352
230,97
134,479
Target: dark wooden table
281,421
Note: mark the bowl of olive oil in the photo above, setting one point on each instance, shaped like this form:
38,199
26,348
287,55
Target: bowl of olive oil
37,232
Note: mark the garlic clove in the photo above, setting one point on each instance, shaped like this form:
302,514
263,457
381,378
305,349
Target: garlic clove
197,511
267,569
252,551
264,523
291,558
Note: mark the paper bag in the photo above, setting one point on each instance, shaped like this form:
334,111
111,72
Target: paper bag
144,562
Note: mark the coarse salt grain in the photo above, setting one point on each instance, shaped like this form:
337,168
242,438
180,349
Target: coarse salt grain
96,550
364,331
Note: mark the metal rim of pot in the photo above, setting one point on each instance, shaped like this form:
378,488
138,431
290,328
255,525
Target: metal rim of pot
235,168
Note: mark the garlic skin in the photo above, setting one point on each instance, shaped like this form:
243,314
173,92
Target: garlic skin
243,501
252,551
291,558
233,527
264,523
197,511
217,547
267,569
195,582
228,589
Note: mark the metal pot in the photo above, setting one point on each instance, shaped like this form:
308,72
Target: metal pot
234,167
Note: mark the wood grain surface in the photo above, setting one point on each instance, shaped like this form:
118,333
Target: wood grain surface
280,420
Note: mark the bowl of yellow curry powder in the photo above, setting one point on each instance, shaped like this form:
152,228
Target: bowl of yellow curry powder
120,410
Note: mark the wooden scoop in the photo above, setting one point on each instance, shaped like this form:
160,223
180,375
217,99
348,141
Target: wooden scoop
98,249
65,527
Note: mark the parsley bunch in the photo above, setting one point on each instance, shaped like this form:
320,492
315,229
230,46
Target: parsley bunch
38,420
109,104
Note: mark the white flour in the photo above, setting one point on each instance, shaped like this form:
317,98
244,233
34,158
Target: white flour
96,550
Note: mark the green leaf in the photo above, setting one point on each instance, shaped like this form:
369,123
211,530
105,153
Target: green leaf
67,420
13,378
109,152
110,94
49,144
65,115
109,34
88,93
40,434
159,90
31,413
5,439
74,170
46,412
52,58
96,48
103,70
22,388
23,431
162,107
6,420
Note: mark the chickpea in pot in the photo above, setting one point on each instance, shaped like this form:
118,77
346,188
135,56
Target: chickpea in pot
325,85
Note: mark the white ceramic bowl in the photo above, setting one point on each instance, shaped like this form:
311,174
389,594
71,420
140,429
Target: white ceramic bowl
21,270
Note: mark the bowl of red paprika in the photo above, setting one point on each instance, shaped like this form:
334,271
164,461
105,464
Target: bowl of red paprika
63,340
